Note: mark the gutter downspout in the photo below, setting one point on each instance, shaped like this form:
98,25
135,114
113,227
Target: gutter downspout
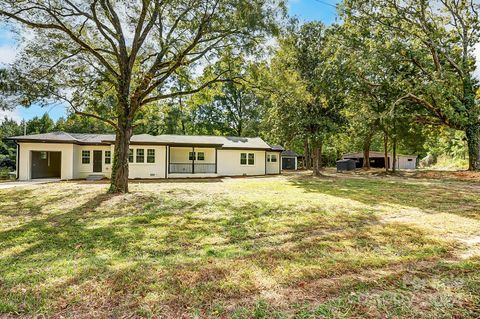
216,159
17,161
265,162
167,164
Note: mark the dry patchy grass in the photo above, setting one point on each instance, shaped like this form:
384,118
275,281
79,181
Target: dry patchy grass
341,246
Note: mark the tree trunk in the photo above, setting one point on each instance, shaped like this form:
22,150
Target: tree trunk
306,158
394,155
317,158
239,128
385,148
366,151
119,179
473,142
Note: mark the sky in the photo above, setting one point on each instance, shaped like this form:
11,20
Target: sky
305,10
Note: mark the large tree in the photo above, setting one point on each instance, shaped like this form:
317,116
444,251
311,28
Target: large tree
436,40
307,56
122,55
232,104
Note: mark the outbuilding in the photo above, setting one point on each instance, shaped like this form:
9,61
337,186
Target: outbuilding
377,160
289,160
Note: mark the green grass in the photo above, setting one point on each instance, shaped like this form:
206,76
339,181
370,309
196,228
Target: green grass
340,246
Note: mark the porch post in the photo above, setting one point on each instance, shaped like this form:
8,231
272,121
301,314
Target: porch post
193,161
216,149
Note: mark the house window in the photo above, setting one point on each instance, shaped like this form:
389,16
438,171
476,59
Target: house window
150,156
191,156
108,157
247,159
201,156
85,157
251,159
243,158
140,155
410,160
130,156
43,155
272,158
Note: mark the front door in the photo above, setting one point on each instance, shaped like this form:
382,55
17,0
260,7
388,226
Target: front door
97,161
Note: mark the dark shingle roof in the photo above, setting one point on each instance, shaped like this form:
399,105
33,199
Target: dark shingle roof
277,147
80,138
289,153
372,154
63,137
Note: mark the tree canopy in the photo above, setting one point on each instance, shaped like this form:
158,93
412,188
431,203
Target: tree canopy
393,76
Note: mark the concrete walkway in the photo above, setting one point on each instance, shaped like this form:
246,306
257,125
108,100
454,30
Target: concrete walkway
6,185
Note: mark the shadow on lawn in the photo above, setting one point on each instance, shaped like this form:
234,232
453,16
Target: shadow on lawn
453,198
149,254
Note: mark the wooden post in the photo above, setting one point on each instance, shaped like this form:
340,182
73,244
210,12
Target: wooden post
385,149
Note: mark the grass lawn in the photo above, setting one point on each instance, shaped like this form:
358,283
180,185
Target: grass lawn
341,246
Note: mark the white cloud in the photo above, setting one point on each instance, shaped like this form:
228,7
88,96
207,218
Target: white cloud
7,54
10,114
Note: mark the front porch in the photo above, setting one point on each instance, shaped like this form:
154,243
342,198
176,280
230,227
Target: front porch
192,162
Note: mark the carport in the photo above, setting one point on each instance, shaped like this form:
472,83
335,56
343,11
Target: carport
46,164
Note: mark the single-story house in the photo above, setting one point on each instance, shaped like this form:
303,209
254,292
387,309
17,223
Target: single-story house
77,156
377,160
289,160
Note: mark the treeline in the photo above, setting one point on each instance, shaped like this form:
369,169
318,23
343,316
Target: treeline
395,77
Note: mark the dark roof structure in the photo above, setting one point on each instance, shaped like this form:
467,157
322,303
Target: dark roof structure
63,137
373,154
277,147
289,153
228,142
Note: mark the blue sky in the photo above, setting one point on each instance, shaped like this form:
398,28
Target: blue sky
305,10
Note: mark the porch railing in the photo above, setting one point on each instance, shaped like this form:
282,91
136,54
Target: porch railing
190,168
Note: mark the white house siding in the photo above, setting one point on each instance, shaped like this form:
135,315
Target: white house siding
25,158
406,162
229,163
148,170
83,170
274,167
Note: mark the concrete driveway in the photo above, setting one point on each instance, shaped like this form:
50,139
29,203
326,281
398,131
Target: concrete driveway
6,185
